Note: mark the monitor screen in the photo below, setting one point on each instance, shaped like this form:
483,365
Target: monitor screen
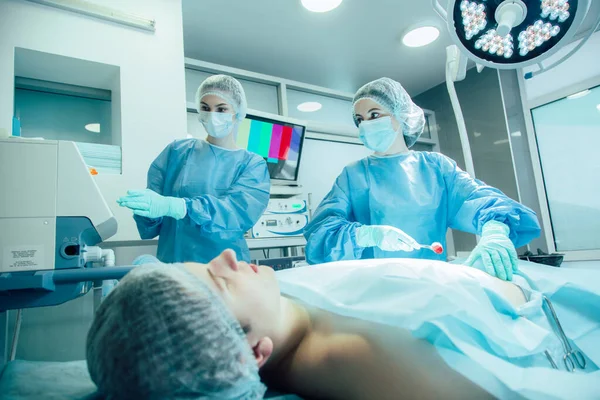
279,143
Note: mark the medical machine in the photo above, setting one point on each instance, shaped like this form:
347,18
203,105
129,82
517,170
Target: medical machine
52,216
278,140
283,218
510,34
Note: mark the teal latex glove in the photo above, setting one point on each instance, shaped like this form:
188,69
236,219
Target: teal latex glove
495,253
148,203
387,238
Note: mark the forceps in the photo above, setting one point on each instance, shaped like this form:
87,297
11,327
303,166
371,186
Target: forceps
572,358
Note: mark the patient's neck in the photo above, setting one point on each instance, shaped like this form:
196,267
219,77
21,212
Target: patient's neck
293,327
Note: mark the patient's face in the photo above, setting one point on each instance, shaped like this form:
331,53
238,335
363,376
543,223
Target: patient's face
251,292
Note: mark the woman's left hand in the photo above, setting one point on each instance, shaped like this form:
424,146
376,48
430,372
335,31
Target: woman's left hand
495,252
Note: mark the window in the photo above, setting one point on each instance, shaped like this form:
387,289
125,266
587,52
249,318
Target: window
260,96
333,110
427,130
58,111
568,138
422,147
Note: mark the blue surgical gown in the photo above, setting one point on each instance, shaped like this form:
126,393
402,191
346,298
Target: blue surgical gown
225,191
421,193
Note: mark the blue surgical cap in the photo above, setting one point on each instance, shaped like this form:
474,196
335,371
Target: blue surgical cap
163,333
227,88
393,98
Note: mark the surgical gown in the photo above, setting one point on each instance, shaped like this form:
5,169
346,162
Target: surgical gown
225,191
421,193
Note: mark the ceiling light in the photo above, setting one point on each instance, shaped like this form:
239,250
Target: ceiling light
598,107
309,106
579,95
477,134
516,134
321,5
93,127
503,141
421,36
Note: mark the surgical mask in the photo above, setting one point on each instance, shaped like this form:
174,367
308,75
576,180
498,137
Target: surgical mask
217,125
377,134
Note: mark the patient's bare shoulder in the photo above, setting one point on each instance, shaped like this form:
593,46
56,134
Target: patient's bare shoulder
346,358
305,369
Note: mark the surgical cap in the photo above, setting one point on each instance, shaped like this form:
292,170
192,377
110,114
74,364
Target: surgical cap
393,98
163,333
227,88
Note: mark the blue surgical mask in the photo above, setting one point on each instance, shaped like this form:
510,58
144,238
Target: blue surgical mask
217,125
377,134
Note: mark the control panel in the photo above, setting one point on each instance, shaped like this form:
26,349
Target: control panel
287,206
282,218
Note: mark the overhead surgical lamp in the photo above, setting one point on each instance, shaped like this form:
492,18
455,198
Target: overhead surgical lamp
509,34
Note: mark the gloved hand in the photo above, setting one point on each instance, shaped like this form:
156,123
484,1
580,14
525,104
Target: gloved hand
495,252
148,203
387,238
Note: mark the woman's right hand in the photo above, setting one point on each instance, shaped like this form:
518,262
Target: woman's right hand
387,238
148,203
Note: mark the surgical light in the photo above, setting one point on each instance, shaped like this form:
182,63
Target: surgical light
421,36
309,106
509,34
493,43
512,34
321,5
556,9
473,17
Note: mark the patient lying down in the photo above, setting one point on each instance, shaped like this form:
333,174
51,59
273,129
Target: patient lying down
207,331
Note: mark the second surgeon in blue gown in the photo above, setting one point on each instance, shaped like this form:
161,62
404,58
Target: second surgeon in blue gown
202,196
396,195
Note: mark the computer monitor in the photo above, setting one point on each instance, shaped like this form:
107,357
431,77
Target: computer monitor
277,140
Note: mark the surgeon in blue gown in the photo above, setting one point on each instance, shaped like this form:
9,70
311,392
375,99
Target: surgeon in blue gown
202,196
385,205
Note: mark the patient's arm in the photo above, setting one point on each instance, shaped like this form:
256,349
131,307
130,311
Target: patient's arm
344,358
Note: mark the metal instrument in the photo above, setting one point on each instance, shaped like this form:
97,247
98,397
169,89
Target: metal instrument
573,358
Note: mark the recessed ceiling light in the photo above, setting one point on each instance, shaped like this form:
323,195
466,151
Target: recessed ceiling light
421,36
477,134
516,134
93,127
309,106
598,107
579,94
503,141
321,5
